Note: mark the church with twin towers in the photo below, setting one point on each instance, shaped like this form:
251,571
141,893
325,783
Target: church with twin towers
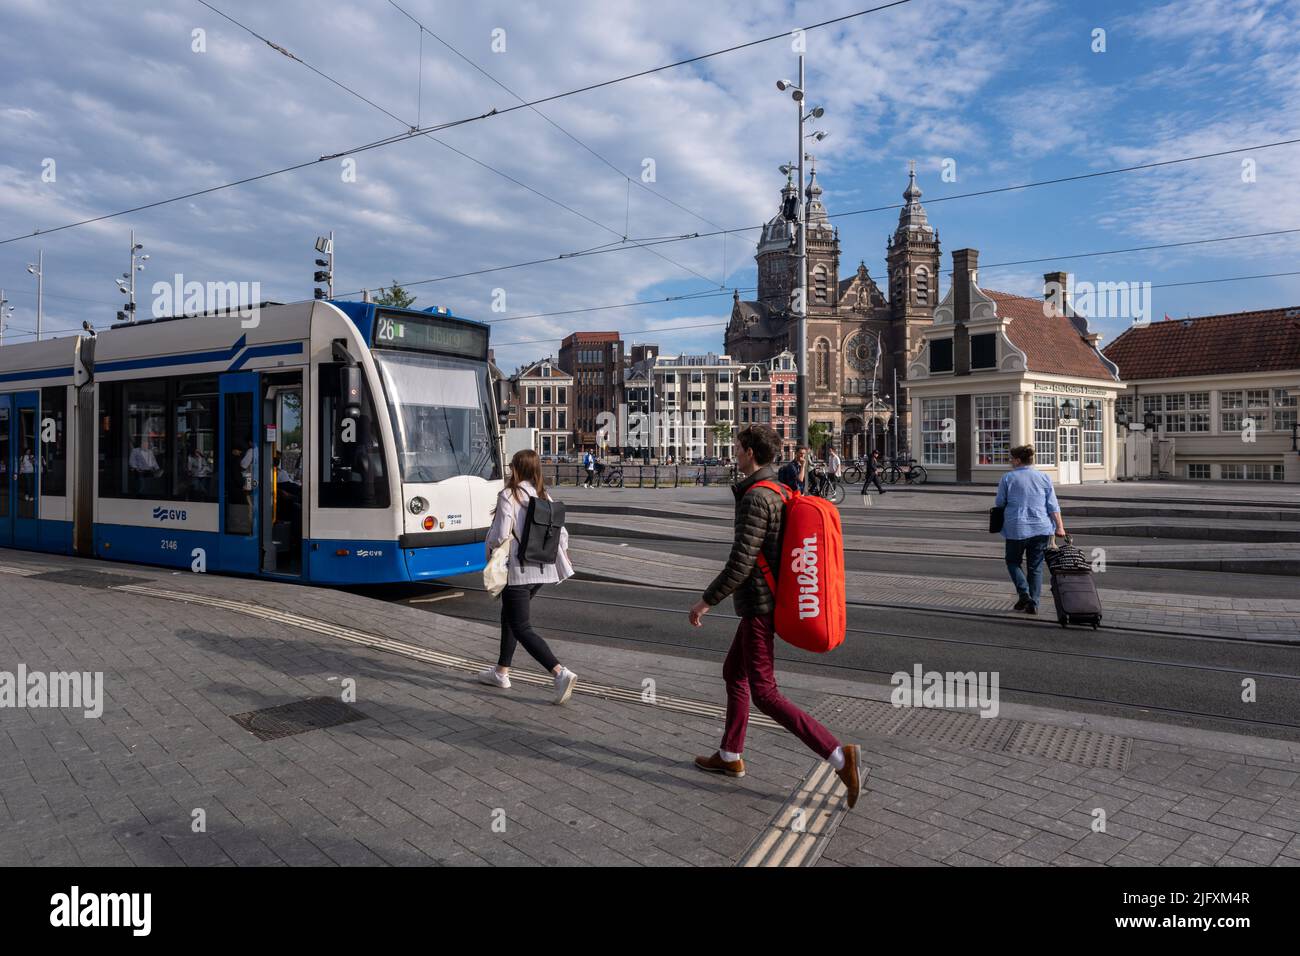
857,334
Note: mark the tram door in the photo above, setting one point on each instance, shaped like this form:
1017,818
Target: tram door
20,464
238,474
282,474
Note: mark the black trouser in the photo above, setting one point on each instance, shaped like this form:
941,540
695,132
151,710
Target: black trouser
872,476
516,628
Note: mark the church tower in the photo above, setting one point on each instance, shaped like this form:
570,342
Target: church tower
776,254
912,257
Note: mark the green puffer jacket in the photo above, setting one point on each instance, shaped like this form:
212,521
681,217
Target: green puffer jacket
758,527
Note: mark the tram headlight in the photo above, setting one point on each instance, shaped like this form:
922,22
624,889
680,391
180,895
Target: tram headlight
417,505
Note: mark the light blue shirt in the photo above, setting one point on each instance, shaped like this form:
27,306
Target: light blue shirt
1030,501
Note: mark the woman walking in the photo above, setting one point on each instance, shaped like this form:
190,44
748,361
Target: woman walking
525,482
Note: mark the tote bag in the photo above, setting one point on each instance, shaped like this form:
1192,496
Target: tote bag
497,573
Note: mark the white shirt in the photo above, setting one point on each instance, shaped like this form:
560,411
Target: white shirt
508,522
143,459
833,463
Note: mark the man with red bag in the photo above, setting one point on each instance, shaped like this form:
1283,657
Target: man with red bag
748,671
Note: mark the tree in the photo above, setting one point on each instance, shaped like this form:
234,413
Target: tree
819,435
395,296
721,436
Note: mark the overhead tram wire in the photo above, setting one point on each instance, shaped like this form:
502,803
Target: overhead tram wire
689,296
858,212
387,141
708,325
637,182
490,168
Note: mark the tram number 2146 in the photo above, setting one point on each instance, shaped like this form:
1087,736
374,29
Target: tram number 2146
168,545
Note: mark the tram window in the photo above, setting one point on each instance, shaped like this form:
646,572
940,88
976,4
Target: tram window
157,439
54,440
352,473
194,463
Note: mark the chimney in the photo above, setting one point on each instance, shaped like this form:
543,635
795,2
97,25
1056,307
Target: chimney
1056,289
965,272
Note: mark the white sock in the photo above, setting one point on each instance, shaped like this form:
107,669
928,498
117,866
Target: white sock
836,759
728,756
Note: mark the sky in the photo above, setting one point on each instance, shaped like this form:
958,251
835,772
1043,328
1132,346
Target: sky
109,106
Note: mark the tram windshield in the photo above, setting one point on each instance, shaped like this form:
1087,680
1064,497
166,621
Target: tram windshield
442,415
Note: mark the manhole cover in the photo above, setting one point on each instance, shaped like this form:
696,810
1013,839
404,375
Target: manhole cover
298,717
854,713
85,579
956,728
1084,747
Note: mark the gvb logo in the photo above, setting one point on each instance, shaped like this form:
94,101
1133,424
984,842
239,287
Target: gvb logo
74,909
803,564
168,514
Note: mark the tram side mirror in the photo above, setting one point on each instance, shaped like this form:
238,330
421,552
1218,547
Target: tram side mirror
350,391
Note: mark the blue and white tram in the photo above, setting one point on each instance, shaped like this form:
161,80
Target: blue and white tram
326,441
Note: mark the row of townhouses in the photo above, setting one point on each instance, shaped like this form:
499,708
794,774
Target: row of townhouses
953,381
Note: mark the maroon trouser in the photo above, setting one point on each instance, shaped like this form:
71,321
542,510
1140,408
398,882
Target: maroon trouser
748,670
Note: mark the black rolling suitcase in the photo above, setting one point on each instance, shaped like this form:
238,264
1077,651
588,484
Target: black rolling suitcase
1073,589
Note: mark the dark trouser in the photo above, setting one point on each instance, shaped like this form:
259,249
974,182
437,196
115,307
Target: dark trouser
517,629
748,670
872,476
591,475
1031,551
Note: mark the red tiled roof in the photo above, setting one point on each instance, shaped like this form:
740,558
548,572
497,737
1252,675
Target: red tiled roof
1051,343
1263,341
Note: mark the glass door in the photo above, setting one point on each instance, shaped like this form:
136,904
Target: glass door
237,475
1068,463
26,462
282,531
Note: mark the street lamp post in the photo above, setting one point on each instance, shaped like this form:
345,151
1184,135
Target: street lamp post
798,94
38,270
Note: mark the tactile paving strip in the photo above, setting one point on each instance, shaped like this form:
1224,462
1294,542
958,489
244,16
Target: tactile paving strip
1084,747
855,713
957,728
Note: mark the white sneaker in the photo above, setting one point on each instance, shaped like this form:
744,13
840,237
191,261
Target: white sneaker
493,678
564,682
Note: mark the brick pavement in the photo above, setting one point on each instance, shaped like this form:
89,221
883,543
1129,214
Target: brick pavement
596,782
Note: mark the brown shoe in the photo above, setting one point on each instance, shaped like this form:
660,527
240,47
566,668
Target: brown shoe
715,764
849,774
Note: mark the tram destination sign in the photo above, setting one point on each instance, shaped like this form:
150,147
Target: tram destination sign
430,333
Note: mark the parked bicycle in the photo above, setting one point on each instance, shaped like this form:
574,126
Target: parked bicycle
610,477
855,471
906,470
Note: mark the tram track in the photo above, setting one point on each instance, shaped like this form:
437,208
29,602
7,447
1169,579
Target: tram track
1260,724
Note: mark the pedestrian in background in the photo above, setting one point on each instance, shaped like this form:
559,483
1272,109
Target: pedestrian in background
589,463
794,473
1032,515
523,583
748,669
873,473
